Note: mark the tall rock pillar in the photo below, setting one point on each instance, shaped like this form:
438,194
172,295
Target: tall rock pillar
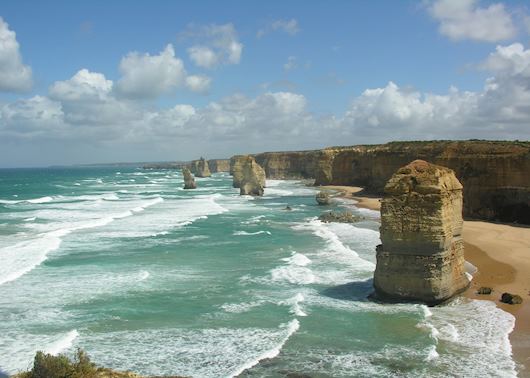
422,253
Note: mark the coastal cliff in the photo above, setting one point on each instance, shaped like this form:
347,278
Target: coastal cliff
219,165
494,174
422,253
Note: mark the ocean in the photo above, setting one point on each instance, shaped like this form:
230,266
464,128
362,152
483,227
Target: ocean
148,277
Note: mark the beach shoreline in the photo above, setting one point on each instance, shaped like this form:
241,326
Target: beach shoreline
500,253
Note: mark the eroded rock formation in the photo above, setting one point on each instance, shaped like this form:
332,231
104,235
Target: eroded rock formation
422,253
200,168
189,180
252,177
323,198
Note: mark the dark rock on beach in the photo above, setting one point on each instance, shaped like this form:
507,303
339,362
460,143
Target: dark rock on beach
511,298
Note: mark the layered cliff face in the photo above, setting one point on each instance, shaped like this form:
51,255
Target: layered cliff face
200,168
422,253
494,174
189,180
252,179
219,165
236,169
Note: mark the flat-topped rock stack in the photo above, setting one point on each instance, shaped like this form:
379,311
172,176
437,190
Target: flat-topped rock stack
250,177
200,168
421,257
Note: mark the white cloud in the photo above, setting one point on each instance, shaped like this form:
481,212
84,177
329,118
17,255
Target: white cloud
290,64
198,83
84,85
217,44
14,75
465,19
288,26
149,76
84,109
203,56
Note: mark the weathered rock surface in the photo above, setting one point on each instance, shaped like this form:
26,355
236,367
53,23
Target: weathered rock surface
323,198
340,217
494,174
219,165
189,180
200,168
236,169
422,253
511,298
251,177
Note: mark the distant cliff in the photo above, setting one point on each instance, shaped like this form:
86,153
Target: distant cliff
219,165
495,175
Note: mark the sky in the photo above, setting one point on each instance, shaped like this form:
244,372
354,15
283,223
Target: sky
119,81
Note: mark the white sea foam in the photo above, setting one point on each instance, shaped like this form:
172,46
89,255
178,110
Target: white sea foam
33,201
30,219
294,303
297,259
242,307
65,342
144,274
208,353
245,233
22,257
290,327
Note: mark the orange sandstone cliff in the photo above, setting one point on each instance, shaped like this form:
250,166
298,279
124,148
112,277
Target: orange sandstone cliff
495,175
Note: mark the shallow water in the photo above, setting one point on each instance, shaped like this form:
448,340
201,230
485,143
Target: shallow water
149,277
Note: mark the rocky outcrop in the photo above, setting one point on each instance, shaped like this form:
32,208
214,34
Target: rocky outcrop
494,174
251,177
422,253
511,298
200,168
219,165
236,169
340,217
189,180
323,198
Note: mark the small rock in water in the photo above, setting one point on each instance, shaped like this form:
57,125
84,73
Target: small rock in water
511,298
323,198
288,208
337,216
484,290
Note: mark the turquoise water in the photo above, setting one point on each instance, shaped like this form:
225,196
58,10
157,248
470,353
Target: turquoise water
205,283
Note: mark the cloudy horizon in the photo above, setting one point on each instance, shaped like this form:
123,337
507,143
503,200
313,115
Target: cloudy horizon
161,83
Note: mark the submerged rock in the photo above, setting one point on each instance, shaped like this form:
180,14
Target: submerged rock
511,298
340,216
252,180
323,198
189,180
422,253
200,168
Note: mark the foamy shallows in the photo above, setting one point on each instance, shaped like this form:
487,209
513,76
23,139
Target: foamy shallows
208,283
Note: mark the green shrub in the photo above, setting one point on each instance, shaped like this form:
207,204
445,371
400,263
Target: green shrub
48,366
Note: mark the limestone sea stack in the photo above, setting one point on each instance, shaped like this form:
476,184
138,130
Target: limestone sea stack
421,257
200,168
189,180
252,180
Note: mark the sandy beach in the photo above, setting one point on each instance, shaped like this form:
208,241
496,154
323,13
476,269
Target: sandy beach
501,254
